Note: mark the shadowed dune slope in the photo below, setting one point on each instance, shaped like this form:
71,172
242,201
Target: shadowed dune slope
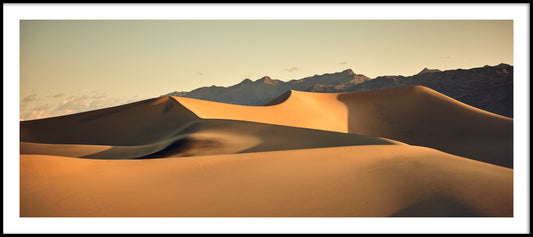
352,181
212,137
138,123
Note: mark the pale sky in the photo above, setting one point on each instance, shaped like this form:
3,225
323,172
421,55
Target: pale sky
69,66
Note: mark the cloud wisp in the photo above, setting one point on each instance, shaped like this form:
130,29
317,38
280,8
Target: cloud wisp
40,111
292,69
57,95
57,106
26,101
29,98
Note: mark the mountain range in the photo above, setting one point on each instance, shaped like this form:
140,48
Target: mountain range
489,88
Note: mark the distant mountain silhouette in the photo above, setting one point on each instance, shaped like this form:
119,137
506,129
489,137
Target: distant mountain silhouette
489,88
265,89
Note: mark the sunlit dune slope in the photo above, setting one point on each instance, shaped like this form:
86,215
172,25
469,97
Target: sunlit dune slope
211,137
300,109
414,115
421,116
351,181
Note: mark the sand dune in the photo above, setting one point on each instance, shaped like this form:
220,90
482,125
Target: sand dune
415,115
421,116
212,137
352,181
398,152
132,124
320,111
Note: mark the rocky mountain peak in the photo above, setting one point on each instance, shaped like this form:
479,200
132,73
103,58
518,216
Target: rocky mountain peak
427,70
247,80
266,80
348,71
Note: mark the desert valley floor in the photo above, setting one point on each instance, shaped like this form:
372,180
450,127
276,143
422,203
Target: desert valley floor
407,151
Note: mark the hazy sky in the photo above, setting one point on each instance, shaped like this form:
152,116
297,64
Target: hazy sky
69,66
